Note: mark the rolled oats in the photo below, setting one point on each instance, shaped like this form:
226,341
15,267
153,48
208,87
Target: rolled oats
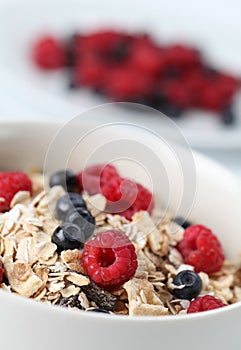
72,260
143,299
69,291
22,197
34,268
22,279
84,302
78,279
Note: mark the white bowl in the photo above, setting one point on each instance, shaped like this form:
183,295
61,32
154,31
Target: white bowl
26,324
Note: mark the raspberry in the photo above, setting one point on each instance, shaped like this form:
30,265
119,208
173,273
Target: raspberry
120,194
204,303
1,272
124,196
110,259
201,249
195,82
93,177
143,201
183,57
124,84
49,53
212,98
178,94
147,59
10,184
228,84
101,41
89,73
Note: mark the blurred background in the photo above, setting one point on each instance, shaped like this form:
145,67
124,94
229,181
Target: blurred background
183,58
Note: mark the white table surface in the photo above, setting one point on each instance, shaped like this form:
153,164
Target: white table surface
15,106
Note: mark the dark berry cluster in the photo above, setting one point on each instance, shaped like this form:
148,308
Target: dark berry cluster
134,68
77,222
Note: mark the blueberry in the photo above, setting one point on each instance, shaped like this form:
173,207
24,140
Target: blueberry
68,236
65,178
182,222
99,310
191,282
68,202
228,117
83,219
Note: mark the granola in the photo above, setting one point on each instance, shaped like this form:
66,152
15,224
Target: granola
34,268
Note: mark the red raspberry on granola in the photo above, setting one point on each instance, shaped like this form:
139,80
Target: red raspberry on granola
201,249
10,184
110,259
204,303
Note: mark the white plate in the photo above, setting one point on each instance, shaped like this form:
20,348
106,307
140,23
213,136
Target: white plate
212,26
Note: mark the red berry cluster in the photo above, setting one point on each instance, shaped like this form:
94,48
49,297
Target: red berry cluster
124,196
134,68
201,249
10,184
204,303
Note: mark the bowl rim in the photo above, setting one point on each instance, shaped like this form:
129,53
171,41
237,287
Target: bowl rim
28,302
60,310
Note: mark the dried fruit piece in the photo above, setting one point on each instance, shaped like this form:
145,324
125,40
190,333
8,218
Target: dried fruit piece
1,272
72,301
102,298
98,310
